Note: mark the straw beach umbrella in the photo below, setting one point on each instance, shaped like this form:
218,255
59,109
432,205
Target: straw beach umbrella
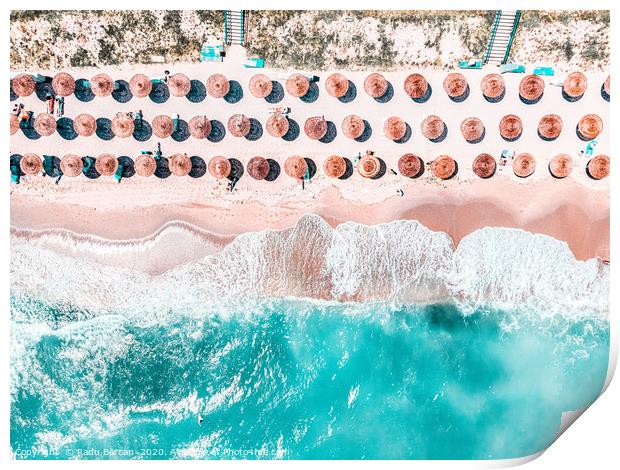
219,167
145,165
106,164
432,127
416,86
102,85
523,165
140,85
493,87
369,166
23,85
122,125
261,85
443,167
31,164
472,130
63,84
455,85
85,125
337,85
561,165
297,85
598,167
258,168
239,125
45,124
199,127
484,165
531,89
410,165
353,126
550,127
315,127
14,123
375,85
162,126
589,127
179,85
296,167
180,164
71,165
394,128
510,127
218,85
277,125
575,85
334,166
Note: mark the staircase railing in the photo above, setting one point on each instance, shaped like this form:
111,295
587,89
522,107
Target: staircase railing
512,35
498,15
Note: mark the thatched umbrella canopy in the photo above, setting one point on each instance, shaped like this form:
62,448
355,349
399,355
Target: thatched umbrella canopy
218,85
261,85
219,167
180,164
23,85
550,126
297,85
239,125
337,85
200,127
277,125
106,164
410,165
295,167
315,127
14,123
353,126
416,85
606,85
145,165
455,85
598,167
85,125
123,125
590,126
45,124
140,85
369,166
472,129
63,84
258,168
443,167
102,84
510,127
394,128
493,86
162,126
561,165
531,87
432,127
179,85
484,165
31,164
575,85
523,165
375,85
334,166
71,165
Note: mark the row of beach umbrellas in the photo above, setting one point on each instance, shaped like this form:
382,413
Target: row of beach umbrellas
455,85
335,166
353,126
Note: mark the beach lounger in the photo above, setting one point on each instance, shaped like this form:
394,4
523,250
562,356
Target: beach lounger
590,148
544,71
512,68
119,173
254,63
15,174
470,64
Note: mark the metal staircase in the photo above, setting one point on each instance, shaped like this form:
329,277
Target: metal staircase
234,27
504,29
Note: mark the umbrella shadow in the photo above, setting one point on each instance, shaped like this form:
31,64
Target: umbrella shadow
348,172
460,98
128,166
350,95
89,169
526,101
159,93
235,92
497,99
382,169
443,135
14,161
122,93
142,130
387,96
604,93
580,135
199,167
82,91
479,139
407,135
104,129
311,167
162,170
13,95
546,139
331,133
256,130
277,93
51,166
44,89
366,134
64,127
274,170
312,95
182,132
197,92
218,131
236,169
570,99
427,94
293,130
28,129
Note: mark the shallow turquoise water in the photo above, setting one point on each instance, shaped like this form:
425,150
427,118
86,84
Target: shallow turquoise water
298,379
